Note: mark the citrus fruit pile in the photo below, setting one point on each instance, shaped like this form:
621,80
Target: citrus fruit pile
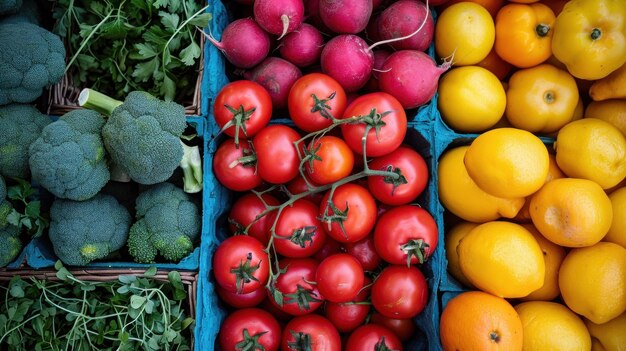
535,199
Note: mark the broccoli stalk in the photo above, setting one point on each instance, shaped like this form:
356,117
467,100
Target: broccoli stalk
140,135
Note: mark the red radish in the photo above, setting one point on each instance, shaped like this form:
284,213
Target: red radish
345,16
303,46
279,17
347,58
276,76
312,15
411,76
403,18
377,3
244,43
379,59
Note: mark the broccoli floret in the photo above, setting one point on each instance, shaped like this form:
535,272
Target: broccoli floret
9,6
28,12
31,58
5,205
20,125
68,158
84,231
10,244
167,223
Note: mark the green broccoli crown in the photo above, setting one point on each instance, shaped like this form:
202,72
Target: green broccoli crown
20,125
3,189
168,223
84,231
143,135
5,206
9,6
68,158
31,58
10,244
28,12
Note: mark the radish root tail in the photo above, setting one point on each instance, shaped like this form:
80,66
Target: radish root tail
393,40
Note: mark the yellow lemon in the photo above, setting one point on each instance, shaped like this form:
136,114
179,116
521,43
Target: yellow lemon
465,30
572,212
593,149
503,259
552,326
553,256
471,99
612,111
609,336
617,231
508,162
460,195
452,239
592,281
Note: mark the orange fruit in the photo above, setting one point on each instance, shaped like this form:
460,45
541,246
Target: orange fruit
612,111
476,320
609,336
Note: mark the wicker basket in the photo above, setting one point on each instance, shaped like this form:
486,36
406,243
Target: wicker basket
188,279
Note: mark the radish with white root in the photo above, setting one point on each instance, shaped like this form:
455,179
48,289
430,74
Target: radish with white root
412,77
345,16
380,56
303,46
279,17
244,43
403,18
277,76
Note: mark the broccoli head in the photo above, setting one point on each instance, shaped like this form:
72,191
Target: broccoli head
142,134
68,158
20,125
28,12
9,6
168,223
10,244
31,58
85,231
5,205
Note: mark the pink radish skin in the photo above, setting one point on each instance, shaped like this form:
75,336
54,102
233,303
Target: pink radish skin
345,16
348,60
380,56
371,30
303,46
403,18
312,15
411,76
279,17
277,76
244,43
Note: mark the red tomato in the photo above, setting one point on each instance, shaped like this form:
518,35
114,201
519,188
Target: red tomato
307,97
353,216
414,177
298,185
365,252
331,247
339,278
330,160
406,232
235,167
298,231
277,157
245,105
347,316
233,299
250,329
297,286
403,328
387,120
237,259
312,333
244,212
400,292
373,337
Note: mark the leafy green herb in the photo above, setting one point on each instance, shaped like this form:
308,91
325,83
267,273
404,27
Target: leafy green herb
117,46
26,213
131,313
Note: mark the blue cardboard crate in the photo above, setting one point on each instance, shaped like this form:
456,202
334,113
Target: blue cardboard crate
39,254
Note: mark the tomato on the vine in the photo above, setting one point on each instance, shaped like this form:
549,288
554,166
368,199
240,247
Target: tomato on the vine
299,185
311,332
277,157
330,159
330,247
243,107
403,328
298,231
250,329
348,316
364,251
295,291
400,292
385,117
406,235
413,176
244,211
240,264
313,99
373,337
233,299
235,166
351,213
339,278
